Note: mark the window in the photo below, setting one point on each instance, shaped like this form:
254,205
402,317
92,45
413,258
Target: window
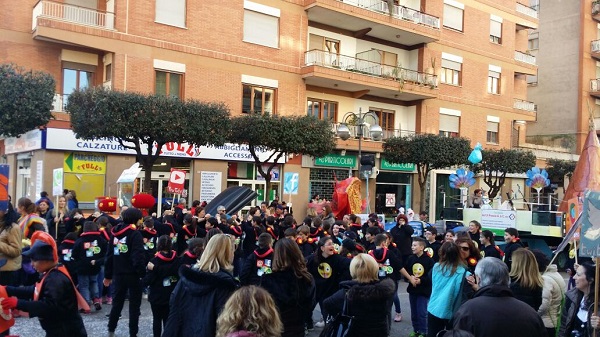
76,76
492,132
319,42
108,72
321,109
496,29
494,82
170,12
449,125
168,83
451,72
257,99
533,44
261,24
453,15
386,121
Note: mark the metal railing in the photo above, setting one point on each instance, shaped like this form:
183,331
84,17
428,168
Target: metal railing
59,103
71,13
527,10
387,133
353,64
399,12
525,105
525,58
596,46
595,84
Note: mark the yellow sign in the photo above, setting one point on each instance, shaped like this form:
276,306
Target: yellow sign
90,163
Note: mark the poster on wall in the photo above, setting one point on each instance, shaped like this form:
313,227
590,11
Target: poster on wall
210,185
39,175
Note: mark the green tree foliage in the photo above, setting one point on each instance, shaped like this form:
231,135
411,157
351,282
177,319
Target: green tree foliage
557,170
301,135
145,122
497,163
25,99
428,152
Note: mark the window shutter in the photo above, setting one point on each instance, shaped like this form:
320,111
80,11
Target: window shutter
449,123
171,12
453,17
261,29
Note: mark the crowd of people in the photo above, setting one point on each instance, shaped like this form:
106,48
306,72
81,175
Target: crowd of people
263,274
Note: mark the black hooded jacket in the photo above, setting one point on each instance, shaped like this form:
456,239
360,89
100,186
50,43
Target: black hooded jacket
90,246
198,290
163,277
389,263
126,254
369,303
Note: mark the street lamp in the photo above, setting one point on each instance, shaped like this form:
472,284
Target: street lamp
376,132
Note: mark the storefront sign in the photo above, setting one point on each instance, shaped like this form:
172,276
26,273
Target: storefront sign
498,219
336,160
210,185
64,139
84,163
28,141
407,167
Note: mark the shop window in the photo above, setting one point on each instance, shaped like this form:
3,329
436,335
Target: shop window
325,110
240,170
257,99
168,84
322,181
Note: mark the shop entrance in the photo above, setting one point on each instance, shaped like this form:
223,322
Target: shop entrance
393,190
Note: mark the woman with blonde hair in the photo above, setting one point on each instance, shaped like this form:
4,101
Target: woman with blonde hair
256,317
526,281
206,285
368,300
58,219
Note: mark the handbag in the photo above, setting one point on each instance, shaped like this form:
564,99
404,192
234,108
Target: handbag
340,325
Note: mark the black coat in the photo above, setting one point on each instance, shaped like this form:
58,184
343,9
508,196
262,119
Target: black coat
56,306
256,265
509,249
328,273
494,312
126,254
197,301
150,239
163,278
185,234
390,264
369,303
90,246
492,251
295,299
403,238
529,296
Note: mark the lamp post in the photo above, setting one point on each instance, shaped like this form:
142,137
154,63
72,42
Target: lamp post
375,131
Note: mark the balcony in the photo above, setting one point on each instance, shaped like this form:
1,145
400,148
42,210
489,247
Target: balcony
595,87
526,63
362,77
527,17
595,49
387,133
596,10
72,14
405,25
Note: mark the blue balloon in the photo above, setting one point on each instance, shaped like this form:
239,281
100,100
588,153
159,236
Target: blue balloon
475,157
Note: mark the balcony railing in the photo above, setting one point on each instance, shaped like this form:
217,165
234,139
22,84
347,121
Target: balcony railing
527,10
59,103
596,46
398,12
72,13
353,64
595,7
387,133
595,85
525,58
525,105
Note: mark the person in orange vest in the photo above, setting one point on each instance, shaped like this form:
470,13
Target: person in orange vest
54,299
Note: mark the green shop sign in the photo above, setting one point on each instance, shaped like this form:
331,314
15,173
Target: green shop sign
336,160
386,165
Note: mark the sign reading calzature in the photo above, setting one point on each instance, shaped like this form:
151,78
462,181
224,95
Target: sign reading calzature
210,185
63,139
498,219
336,160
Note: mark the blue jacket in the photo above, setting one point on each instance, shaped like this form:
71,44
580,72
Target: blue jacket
446,295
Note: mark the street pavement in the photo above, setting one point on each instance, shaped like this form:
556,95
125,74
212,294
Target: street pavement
95,323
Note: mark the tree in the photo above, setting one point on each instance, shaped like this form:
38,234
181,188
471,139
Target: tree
305,135
557,170
497,163
428,152
146,122
25,99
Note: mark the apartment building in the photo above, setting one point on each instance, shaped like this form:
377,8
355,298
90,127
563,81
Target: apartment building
566,90
456,68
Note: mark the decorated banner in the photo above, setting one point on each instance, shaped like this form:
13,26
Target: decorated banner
575,207
590,225
4,169
176,181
